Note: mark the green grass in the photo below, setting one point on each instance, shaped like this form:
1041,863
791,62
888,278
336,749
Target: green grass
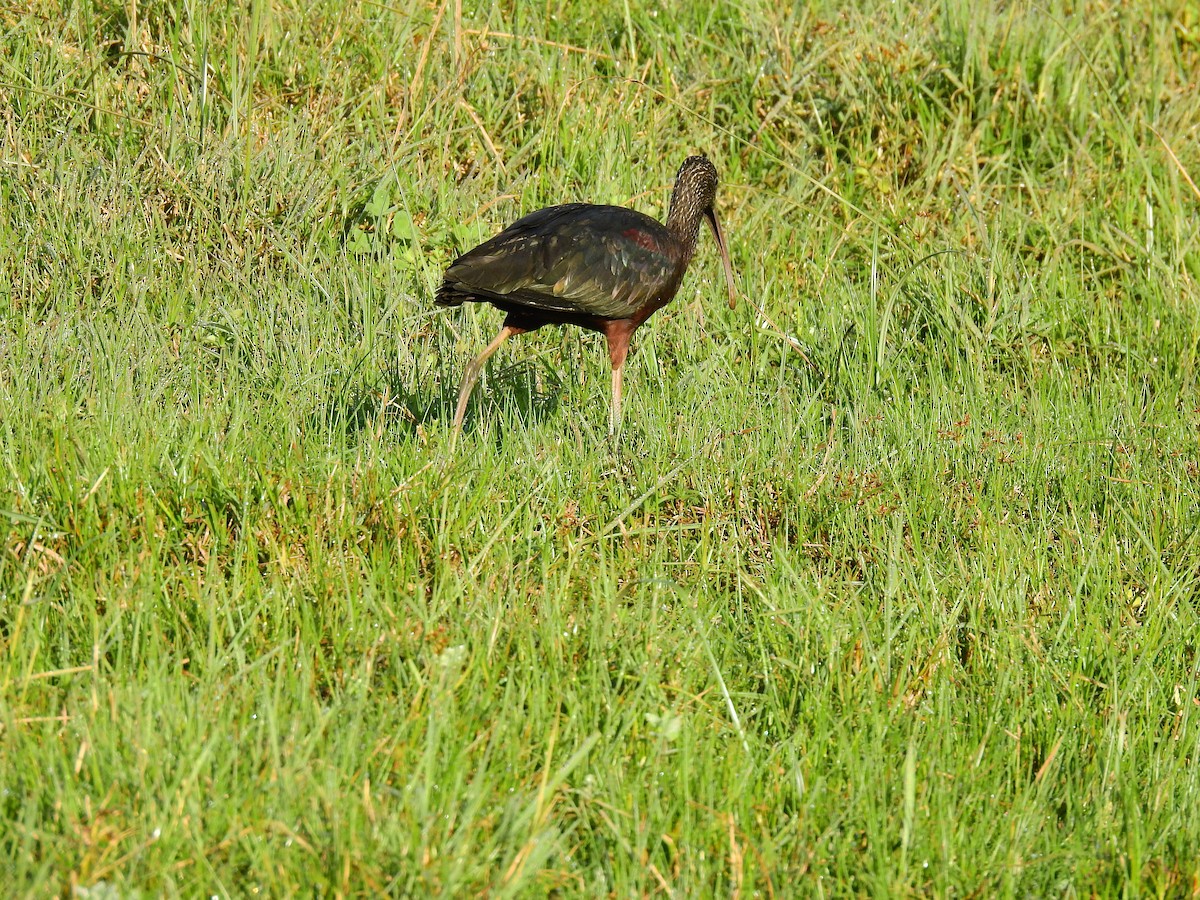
915,616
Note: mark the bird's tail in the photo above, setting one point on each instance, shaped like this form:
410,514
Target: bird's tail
449,295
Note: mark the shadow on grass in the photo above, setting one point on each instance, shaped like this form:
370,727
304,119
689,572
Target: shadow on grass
521,393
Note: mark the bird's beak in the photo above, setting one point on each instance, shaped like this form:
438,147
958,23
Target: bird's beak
716,230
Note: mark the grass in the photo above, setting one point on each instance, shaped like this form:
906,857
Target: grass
915,616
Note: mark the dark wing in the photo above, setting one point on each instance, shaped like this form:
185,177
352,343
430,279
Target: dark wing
604,261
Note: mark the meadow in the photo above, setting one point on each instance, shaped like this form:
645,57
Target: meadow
890,587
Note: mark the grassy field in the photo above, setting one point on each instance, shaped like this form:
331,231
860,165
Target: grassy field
890,588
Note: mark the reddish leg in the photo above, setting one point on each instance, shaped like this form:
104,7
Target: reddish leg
618,334
472,375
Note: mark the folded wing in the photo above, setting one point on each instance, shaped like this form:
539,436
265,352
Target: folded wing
577,259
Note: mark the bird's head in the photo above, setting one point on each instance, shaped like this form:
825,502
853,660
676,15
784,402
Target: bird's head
696,183
694,196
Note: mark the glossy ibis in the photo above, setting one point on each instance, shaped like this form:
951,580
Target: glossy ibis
604,268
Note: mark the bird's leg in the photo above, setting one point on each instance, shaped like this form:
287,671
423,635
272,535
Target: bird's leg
472,375
618,334
614,411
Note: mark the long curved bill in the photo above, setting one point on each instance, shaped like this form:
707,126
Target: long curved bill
716,230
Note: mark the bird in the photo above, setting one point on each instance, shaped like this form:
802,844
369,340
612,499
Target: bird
602,268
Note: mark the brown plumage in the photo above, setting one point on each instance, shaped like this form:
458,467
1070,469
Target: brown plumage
604,268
